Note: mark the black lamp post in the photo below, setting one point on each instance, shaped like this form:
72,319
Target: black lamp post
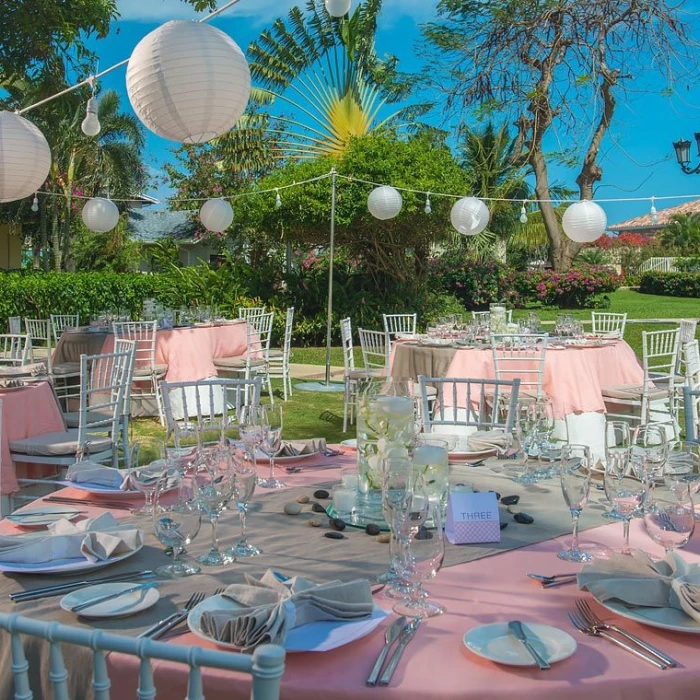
682,149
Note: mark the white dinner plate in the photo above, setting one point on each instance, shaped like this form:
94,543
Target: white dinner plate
497,643
316,636
469,456
96,490
124,605
40,516
352,443
680,622
261,457
63,566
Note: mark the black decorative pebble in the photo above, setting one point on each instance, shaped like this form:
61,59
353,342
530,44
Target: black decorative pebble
334,535
504,525
372,529
317,508
523,518
321,493
338,524
510,500
424,534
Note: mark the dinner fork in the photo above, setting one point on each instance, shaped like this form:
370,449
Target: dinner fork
166,634
580,624
194,599
592,619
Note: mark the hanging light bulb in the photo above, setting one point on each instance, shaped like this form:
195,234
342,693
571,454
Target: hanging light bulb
653,212
523,213
35,204
428,206
91,124
278,199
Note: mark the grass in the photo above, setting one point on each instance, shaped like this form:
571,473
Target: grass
312,414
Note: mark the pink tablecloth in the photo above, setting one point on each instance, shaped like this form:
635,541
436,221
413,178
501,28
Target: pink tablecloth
26,412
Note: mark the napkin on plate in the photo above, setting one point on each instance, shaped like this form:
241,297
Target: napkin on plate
87,472
95,539
299,448
489,440
270,608
640,581
31,370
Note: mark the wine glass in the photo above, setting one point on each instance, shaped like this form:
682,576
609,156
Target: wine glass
546,448
216,486
146,470
251,422
422,556
524,427
575,483
617,454
177,518
682,469
649,451
272,439
669,518
246,479
182,446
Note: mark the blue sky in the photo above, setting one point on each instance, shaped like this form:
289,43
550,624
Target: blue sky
638,160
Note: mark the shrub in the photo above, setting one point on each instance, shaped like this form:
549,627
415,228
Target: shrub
687,264
672,284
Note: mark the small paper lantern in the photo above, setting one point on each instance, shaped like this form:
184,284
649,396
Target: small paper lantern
216,215
338,8
384,202
585,221
100,214
470,216
188,81
25,157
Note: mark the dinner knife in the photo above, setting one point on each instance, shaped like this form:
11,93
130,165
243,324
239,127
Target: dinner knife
516,627
112,596
390,636
58,589
408,634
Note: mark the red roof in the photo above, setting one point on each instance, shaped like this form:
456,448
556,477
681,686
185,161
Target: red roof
644,223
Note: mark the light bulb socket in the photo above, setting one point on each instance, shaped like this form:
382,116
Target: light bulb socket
428,206
35,204
91,124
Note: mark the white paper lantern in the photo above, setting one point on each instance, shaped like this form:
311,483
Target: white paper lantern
100,214
338,8
25,157
216,215
384,202
585,221
188,81
470,216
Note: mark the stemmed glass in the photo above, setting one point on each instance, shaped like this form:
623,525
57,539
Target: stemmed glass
251,427
246,479
272,439
617,456
182,447
575,484
145,471
177,518
216,486
669,518
682,470
422,556
524,428
545,446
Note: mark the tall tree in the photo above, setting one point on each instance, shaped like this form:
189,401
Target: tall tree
555,65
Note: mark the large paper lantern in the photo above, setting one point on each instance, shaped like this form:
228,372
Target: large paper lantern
216,215
100,214
470,216
188,81
384,202
585,221
338,8
25,157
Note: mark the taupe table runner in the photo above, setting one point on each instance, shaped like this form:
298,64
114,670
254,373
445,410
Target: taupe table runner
412,360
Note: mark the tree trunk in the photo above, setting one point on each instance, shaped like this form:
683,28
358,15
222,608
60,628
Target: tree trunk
44,233
67,262
500,250
56,236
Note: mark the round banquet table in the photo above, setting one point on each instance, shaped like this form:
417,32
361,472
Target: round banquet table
436,664
573,378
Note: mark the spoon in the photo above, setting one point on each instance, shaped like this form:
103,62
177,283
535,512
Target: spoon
392,632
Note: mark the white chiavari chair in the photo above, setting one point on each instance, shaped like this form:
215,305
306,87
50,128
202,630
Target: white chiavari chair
608,324
280,357
399,324
15,350
521,356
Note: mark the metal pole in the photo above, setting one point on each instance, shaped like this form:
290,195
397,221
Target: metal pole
329,319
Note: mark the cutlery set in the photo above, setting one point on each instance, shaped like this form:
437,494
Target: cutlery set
555,580
399,631
162,627
120,505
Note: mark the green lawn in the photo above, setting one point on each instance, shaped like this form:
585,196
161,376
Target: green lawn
311,414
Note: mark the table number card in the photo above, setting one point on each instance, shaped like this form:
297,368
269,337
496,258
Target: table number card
472,518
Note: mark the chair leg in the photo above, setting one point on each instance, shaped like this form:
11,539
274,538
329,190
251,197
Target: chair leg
159,401
269,388
289,379
285,376
346,401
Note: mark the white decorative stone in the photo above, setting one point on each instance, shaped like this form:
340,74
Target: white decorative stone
25,157
585,221
384,202
100,214
216,215
188,81
470,216
338,8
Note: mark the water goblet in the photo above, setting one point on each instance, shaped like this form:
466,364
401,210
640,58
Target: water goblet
575,484
182,446
251,426
272,439
246,479
146,469
669,518
649,451
617,453
682,469
524,440
177,518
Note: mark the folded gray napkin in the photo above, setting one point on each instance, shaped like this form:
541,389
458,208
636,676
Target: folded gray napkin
95,539
270,608
640,581
86,472
299,448
23,370
489,440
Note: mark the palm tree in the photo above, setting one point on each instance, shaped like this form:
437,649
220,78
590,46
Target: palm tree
683,234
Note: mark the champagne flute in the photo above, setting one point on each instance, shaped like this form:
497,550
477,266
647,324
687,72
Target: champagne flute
176,520
575,484
246,479
272,439
617,455
669,518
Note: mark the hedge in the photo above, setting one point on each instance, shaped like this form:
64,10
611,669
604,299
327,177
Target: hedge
671,284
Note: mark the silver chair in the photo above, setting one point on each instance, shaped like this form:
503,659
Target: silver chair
14,325
15,350
375,350
521,356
